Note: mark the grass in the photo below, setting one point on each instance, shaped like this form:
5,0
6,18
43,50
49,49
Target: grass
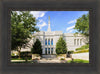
62,59
22,62
21,58
78,61
16,59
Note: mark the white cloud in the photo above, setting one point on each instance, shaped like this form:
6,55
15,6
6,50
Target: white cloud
70,29
38,14
41,24
72,21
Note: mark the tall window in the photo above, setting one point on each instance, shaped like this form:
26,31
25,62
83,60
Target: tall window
74,41
80,41
77,41
48,41
45,41
51,41
45,50
51,50
48,50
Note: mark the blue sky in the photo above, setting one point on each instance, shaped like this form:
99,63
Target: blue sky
59,20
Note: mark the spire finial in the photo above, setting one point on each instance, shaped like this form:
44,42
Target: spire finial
49,18
49,29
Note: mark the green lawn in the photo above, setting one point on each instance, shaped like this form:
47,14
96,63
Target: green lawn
78,61
22,62
16,59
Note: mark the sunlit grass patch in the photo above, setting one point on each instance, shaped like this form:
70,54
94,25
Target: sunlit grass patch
78,61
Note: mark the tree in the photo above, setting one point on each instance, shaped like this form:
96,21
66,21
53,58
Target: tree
61,47
37,48
23,24
82,25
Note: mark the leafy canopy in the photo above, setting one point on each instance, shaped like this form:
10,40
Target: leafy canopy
61,46
23,24
37,47
82,25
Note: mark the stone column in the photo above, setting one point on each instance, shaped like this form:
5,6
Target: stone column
50,41
50,50
47,41
53,50
79,41
76,42
43,51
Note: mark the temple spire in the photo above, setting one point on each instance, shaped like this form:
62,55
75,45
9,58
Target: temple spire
49,29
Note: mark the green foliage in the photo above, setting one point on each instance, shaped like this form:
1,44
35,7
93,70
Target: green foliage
37,48
16,59
78,61
70,52
25,56
61,46
12,54
82,25
25,53
62,59
82,51
22,25
83,47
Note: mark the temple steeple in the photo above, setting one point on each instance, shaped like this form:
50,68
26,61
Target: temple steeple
49,29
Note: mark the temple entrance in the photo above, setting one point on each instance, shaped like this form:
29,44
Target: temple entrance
49,51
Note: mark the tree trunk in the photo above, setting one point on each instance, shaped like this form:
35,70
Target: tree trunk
19,52
26,60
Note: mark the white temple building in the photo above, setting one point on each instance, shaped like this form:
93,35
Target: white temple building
49,39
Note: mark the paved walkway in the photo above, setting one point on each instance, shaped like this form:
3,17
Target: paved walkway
53,60
44,60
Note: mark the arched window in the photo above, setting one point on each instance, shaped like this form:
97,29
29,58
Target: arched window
45,41
48,41
45,50
74,41
51,50
51,41
77,41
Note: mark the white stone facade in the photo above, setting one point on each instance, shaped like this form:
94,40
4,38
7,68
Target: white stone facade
49,39
72,41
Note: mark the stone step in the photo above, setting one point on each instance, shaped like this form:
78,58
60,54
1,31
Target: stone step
49,56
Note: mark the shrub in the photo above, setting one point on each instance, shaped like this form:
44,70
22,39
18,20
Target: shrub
82,51
37,48
12,54
61,46
70,52
26,56
62,59
83,47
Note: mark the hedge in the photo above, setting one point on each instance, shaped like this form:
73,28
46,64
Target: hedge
82,51
83,47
